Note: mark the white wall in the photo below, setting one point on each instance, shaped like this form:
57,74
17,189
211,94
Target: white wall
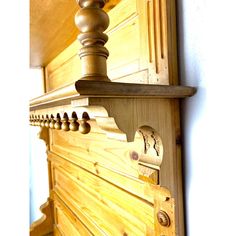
38,176
207,54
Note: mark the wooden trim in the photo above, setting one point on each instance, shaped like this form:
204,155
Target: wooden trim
84,88
44,226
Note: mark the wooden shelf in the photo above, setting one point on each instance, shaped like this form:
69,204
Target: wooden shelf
65,95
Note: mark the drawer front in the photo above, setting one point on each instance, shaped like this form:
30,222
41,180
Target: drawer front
104,208
66,223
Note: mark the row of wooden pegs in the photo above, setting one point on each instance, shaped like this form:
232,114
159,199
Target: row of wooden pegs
64,123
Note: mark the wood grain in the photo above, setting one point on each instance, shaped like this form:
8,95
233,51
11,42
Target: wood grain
44,226
67,94
144,29
52,28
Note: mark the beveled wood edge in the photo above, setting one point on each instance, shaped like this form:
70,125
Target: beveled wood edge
103,89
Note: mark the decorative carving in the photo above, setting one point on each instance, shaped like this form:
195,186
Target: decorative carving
157,41
65,123
74,125
52,122
152,151
57,125
92,21
42,121
47,122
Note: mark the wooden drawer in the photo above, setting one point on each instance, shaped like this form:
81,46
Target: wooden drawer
66,223
103,207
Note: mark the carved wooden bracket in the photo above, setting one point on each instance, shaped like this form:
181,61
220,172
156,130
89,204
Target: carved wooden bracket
44,226
146,148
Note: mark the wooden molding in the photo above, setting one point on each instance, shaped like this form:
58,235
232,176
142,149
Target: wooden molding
44,226
85,89
145,148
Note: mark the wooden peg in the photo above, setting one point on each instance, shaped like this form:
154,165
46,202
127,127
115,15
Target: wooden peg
57,125
52,122
31,119
38,121
84,127
74,125
42,121
65,123
47,122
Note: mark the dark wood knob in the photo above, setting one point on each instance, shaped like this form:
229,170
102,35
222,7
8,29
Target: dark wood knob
163,218
84,127
74,125
52,123
65,123
57,125
42,122
47,122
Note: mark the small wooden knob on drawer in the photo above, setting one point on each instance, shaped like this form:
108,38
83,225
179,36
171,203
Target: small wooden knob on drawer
163,218
84,127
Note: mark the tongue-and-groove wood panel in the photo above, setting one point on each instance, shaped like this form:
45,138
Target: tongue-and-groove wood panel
141,45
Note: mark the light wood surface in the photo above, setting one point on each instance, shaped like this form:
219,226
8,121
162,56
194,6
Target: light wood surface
98,151
44,226
141,43
67,94
114,148
52,28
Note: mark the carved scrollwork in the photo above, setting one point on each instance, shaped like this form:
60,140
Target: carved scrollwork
151,147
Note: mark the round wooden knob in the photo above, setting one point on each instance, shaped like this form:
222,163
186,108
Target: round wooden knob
74,125
38,121
52,123
31,120
91,3
42,122
57,125
47,122
163,218
65,123
84,127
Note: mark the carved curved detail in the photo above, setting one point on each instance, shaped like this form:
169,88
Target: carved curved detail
44,226
147,150
43,134
151,152
79,118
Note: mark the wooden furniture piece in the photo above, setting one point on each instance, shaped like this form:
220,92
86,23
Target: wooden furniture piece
113,142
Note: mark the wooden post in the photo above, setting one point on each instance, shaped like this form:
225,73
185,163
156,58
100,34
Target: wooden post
92,21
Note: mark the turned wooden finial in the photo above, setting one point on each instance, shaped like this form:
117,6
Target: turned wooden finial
92,21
